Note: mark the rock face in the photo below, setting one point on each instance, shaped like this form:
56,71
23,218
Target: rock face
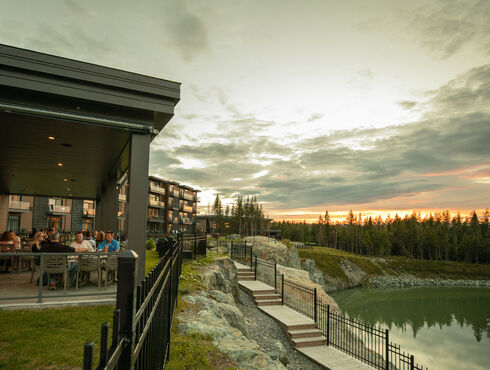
302,277
219,317
354,275
272,250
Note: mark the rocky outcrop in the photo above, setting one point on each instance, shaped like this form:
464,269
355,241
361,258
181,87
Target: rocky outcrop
213,312
354,275
270,249
409,281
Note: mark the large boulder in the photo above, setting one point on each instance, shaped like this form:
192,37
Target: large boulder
270,249
222,276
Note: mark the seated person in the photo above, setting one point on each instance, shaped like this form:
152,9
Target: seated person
109,244
88,237
54,246
81,245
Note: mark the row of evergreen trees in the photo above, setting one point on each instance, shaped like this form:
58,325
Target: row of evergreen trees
243,217
437,237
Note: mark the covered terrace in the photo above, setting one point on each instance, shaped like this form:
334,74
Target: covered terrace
72,129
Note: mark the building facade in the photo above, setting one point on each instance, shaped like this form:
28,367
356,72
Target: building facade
171,207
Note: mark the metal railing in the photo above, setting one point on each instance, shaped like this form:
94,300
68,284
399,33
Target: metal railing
19,204
157,189
55,208
242,252
36,263
142,320
365,342
194,245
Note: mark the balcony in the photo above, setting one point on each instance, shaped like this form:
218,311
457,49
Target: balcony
155,218
156,203
122,197
175,193
187,221
89,212
157,189
18,206
188,209
56,209
188,196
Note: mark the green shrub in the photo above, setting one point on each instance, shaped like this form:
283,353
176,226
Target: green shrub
150,244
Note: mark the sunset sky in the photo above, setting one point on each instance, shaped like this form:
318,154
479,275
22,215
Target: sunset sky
376,106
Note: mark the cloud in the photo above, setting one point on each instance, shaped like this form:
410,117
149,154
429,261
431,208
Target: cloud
315,116
407,104
187,30
446,26
358,166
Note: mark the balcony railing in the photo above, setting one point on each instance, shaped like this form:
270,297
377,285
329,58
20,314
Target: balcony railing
188,196
89,212
157,189
57,209
19,205
122,197
157,218
188,209
156,203
175,193
187,221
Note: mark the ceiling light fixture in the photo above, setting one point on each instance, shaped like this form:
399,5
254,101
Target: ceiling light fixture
51,137
65,180
60,164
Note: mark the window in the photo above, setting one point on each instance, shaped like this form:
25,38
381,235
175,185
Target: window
14,223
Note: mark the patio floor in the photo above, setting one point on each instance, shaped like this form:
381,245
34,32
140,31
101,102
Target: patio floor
16,291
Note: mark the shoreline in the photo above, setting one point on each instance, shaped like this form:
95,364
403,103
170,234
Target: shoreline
409,281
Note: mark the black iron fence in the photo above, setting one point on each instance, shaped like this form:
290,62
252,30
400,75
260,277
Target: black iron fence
194,245
36,269
142,319
241,252
365,342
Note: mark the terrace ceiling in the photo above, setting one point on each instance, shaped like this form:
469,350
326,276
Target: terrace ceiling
65,125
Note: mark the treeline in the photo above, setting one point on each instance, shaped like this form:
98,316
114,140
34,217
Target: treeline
437,237
243,217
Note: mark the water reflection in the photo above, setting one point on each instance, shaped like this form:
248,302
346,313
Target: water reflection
418,307
445,328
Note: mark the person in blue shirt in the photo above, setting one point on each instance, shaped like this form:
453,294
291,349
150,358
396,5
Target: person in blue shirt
109,244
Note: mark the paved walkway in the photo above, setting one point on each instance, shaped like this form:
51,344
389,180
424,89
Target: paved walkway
294,322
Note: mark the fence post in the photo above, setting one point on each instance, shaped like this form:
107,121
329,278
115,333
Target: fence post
387,333
412,362
328,325
251,254
315,306
41,280
255,270
282,289
169,292
275,275
195,246
88,351
126,303
231,250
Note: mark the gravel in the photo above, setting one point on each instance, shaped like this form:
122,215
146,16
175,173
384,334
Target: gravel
271,337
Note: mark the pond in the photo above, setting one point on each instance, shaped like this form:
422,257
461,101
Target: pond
444,328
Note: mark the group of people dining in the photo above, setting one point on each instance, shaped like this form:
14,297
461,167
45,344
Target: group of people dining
48,241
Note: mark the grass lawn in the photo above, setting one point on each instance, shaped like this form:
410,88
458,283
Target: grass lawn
328,261
50,338
54,338
151,260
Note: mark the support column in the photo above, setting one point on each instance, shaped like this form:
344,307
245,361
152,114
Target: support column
137,208
106,207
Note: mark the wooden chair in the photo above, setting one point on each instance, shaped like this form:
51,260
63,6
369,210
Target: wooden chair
111,266
6,247
87,263
26,262
56,265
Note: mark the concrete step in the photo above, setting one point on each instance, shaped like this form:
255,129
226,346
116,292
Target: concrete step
245,274
304,333
265,297
249,278
269,302
245,270
310,342
301,326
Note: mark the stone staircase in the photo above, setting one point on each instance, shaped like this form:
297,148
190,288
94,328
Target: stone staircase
304,334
